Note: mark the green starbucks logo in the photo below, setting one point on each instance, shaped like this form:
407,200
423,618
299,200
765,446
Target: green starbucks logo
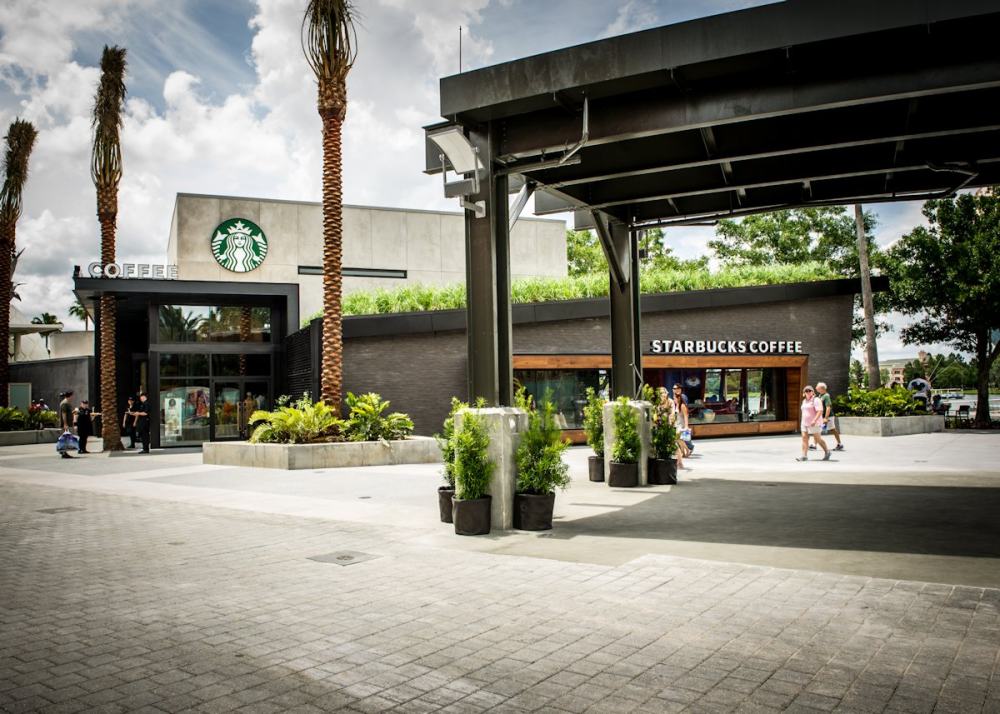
239,245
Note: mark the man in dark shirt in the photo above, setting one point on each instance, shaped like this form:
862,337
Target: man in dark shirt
85,424
141,411
66,417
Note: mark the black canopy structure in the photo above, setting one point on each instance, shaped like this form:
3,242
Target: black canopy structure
792,104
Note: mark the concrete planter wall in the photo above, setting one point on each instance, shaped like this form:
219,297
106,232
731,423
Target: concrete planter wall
32,436
415,450
890,426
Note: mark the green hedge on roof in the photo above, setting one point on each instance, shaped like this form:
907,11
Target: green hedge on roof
418,298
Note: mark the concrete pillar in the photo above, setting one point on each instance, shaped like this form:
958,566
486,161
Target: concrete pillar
504,426
644,411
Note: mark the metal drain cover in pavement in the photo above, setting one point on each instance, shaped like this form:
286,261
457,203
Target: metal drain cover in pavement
63,509
344,557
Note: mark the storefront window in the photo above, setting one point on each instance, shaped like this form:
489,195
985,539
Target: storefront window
196,323
720,395
566,389
184,411
241,365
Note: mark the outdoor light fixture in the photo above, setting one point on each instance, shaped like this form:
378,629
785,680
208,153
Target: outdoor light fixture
464,159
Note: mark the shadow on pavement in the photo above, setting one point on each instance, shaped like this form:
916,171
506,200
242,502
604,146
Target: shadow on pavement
897,519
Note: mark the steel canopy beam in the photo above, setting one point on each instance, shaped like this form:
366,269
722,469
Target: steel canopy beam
626,352
648,114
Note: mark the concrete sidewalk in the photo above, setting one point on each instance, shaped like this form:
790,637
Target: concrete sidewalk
916,507
154,583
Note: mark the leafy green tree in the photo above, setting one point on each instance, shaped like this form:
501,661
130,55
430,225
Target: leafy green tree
583,253
800,235
948,275
825,234
856,373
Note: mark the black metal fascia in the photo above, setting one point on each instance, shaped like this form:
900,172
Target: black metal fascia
414,323
529,83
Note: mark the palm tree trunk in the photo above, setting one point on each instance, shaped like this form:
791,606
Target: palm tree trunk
331,378
867,302
6,250
107,214
245,327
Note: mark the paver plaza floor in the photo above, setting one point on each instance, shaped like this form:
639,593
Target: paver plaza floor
156,584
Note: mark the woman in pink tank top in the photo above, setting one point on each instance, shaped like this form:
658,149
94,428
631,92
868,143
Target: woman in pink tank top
812,423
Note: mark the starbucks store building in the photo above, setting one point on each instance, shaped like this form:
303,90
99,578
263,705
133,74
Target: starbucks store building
224,328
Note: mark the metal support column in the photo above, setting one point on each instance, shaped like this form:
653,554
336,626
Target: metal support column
626,352
487,284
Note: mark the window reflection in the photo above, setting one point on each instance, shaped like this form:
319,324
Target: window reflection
567,388
198,323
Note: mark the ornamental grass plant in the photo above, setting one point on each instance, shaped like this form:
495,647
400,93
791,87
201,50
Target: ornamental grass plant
473,467
593,421
626,446
420,298
446,441
540,466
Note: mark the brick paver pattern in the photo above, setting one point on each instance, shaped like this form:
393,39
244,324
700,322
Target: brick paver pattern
136,605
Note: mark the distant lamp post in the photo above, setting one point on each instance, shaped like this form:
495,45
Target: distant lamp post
464,159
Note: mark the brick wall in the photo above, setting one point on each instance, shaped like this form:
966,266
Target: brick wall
420,373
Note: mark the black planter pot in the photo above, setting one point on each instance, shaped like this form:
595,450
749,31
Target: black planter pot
596,464
623,475
444,502
533,512
662,472
472,517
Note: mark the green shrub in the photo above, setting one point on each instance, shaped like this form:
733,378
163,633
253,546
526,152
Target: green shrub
884,402
366,420
41,419
473,468
12,419
593,422
625,449
663,437
446,441
540,467
302,423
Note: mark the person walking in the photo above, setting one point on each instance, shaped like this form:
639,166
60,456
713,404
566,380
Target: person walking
66,422
683,426
128,423
666,404
829,420
141,412
812,423
85,424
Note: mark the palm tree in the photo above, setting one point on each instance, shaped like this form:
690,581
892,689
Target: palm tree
47,318
79,311
106,170
329,43
20,140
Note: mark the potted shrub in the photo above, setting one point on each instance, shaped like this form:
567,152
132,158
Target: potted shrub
471,503
593,427
625,449
540,467
446,442
663,443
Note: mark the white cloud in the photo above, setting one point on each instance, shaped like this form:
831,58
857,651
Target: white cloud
633,15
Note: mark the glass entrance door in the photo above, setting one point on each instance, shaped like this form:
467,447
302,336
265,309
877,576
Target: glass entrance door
226,410
234,401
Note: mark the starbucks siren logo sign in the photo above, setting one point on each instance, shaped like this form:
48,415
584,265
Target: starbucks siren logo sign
239,245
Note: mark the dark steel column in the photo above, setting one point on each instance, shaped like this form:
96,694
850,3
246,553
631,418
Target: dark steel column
626,352
487,284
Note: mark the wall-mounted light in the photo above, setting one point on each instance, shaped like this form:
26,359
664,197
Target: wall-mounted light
464,159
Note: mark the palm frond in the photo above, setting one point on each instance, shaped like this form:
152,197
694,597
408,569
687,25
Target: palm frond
328,38
106,157
20,140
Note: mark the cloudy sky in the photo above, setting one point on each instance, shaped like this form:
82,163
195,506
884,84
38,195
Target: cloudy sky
221,101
